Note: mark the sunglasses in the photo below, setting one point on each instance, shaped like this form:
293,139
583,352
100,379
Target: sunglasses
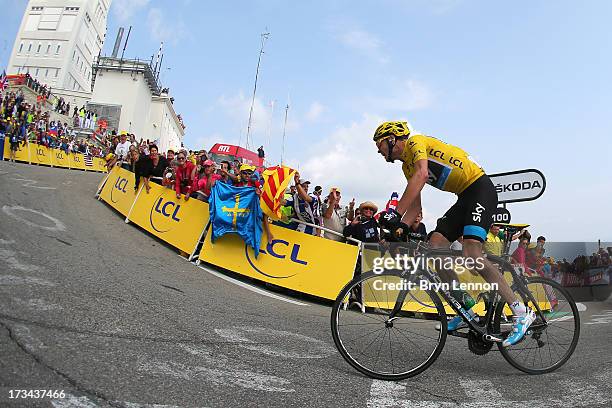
247,172
180,158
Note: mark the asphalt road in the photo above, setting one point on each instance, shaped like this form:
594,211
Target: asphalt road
111,316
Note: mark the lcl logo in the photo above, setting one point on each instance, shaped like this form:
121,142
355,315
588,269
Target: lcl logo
164,212
59,156
77,158
282,250
120,185
40,151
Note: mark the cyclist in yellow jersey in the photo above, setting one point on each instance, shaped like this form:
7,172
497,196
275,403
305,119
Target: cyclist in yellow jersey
427,160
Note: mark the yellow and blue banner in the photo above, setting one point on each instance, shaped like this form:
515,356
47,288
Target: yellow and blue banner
236,210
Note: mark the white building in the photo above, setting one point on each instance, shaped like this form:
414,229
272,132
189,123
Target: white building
57,43
130,88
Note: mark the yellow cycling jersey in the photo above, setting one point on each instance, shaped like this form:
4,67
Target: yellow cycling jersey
450,168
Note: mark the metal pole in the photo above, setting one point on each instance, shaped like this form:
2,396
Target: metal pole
127,37
284,132
264,37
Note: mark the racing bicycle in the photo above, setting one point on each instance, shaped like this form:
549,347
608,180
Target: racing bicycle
402,328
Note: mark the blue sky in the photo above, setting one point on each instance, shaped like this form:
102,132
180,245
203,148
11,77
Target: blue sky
518,85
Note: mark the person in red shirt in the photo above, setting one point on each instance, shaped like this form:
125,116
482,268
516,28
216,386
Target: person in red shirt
206,181
184,176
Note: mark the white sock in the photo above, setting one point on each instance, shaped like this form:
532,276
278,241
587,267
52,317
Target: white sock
518,309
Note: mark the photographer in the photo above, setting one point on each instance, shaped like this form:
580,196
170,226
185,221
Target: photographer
184,176
364,227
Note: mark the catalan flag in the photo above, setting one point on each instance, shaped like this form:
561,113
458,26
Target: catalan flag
276,180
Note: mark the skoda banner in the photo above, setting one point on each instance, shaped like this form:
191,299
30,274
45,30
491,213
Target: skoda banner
520,185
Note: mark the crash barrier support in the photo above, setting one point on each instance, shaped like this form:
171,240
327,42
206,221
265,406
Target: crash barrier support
38,154
292,260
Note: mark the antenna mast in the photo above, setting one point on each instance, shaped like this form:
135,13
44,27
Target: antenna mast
264,38
284,131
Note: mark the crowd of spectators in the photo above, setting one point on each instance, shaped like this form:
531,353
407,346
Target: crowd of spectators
23,122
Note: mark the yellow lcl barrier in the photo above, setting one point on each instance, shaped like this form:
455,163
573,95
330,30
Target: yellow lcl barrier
42,155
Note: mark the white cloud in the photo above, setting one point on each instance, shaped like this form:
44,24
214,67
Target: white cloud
315,111
163,29
364,42
407,95
347,158
125,9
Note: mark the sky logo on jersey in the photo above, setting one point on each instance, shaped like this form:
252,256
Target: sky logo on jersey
164,214
277,254
120,185
477,213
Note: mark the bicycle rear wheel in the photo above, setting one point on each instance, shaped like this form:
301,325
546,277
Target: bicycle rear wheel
547,345
382,348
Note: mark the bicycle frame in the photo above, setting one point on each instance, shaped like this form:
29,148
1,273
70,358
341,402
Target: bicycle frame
519,283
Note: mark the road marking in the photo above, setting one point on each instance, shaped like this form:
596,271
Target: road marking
225,376
604,318
251,288
10,210
38,304
6,241
269,341
10,258
30,183
23,280
72,401
484,394
24,333
581,307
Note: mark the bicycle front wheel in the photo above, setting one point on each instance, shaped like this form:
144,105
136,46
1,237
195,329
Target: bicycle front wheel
388,348
552,337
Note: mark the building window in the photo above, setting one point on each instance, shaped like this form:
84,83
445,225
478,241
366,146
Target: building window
37,8
58,48
30,47
48,48
73,54
47,72
37,69
38,49
20,47
56,72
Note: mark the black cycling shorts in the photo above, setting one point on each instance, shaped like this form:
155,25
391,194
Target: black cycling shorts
472,214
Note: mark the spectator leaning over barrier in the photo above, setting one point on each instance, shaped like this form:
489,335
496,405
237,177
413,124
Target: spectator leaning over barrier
417,228
224,172
316,207
159,164
519,255
493,245
141,167
184,176
335,216
122,150
206,180
170,157
364,227
303,204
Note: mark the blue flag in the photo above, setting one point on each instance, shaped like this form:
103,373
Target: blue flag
236,210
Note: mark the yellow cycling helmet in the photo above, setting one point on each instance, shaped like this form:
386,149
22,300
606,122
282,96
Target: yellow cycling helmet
391,131
397,129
